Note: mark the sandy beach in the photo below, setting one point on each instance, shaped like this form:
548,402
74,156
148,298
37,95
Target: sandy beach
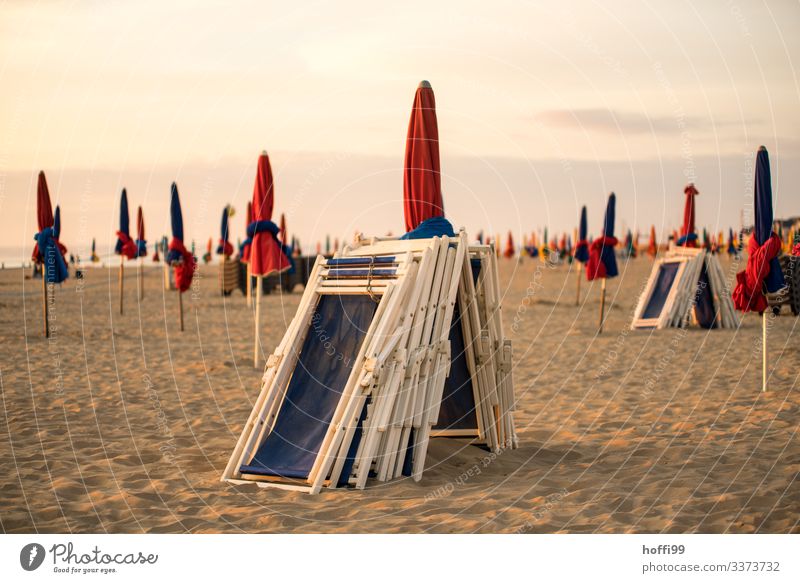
123,424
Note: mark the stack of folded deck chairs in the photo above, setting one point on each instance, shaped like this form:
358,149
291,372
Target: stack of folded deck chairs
353,392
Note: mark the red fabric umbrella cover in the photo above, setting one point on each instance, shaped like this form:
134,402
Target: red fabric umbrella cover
44,211
422,179
266,256
688,216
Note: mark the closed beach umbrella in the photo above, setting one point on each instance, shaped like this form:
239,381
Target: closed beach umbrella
46,252
266,255
422,176
688,238
178,256
763,271
57,231
284,234
582,245
141,242
125,246
602,261
224,248
508,253
652,246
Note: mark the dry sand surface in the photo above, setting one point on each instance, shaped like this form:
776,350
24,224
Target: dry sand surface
124,424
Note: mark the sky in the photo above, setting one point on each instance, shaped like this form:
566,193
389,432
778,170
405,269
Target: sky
542,107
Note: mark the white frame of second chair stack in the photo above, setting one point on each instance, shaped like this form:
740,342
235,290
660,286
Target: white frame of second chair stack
678,307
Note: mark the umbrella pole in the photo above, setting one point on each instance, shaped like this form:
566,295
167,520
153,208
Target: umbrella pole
258,319
141,278
44,304
579,271
121,280
249,291
764,352
602,304
180,307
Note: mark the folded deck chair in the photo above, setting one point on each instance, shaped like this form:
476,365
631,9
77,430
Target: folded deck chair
686,286
354,388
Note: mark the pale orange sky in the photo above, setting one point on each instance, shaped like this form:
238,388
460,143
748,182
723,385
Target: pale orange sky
542,107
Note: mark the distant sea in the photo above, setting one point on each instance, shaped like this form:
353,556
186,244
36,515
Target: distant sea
15,257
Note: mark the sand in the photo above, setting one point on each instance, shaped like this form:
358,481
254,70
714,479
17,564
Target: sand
124,424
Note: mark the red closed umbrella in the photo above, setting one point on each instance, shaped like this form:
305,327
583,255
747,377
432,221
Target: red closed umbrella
652,247
509,250
266,256
422,179
44,212
688,237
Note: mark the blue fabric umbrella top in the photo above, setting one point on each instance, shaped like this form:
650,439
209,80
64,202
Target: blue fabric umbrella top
224,226
608,220
582,229
124,219
582,247
175,214
57,222
763,217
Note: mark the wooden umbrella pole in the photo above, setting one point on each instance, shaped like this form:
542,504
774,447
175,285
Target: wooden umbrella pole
602,304
764,352
121,280
578,295
258,319
44,303
248,290
141,278
180,306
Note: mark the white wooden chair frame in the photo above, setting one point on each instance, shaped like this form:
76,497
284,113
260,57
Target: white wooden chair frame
400,371
680,300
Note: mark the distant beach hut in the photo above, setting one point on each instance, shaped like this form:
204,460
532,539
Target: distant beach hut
763,273
266,254
178,256
602,263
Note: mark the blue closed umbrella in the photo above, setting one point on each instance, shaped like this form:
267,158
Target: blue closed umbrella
763,217
582,245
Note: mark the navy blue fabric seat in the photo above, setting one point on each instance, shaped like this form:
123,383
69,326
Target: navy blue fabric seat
334,338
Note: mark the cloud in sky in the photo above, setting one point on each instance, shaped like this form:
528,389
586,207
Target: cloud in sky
615,122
